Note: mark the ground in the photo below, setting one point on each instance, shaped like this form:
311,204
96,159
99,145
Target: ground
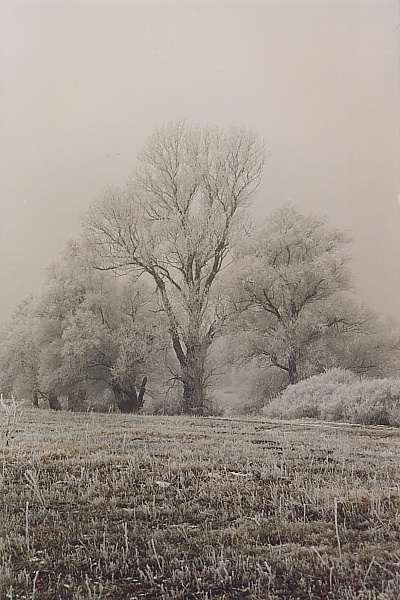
138,507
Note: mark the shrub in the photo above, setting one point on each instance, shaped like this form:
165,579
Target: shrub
307,398
339,395
376,402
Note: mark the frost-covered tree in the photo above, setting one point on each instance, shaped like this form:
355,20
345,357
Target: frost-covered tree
97,330
376,353
19,353
290,289
176,220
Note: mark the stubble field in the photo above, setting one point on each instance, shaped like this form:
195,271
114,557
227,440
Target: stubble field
136,507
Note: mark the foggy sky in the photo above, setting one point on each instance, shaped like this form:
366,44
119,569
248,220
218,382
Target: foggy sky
83,83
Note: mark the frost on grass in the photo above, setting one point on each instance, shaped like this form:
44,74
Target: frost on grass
110,506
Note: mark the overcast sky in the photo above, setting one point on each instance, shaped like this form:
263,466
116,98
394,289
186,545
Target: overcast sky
83,83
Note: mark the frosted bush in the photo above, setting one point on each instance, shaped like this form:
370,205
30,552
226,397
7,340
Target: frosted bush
376,402
339,395
311,397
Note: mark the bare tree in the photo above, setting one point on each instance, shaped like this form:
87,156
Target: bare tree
176,220
290,287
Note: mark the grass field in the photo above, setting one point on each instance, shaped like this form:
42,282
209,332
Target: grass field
125,507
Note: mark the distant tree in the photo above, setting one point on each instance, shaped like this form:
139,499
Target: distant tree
19,354
290,287
376,353
96,329
176,221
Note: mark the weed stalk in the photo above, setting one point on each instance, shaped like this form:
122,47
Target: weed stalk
27,526
337,527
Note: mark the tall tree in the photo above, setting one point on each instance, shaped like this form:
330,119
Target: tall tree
177,220
290,285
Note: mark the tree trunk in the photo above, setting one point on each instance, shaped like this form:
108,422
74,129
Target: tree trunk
142,391
193,398
128,400
35,400
54,402
194,389
118,395
192,359
292,371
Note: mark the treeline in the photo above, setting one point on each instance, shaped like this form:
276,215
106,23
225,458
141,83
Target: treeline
171,279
